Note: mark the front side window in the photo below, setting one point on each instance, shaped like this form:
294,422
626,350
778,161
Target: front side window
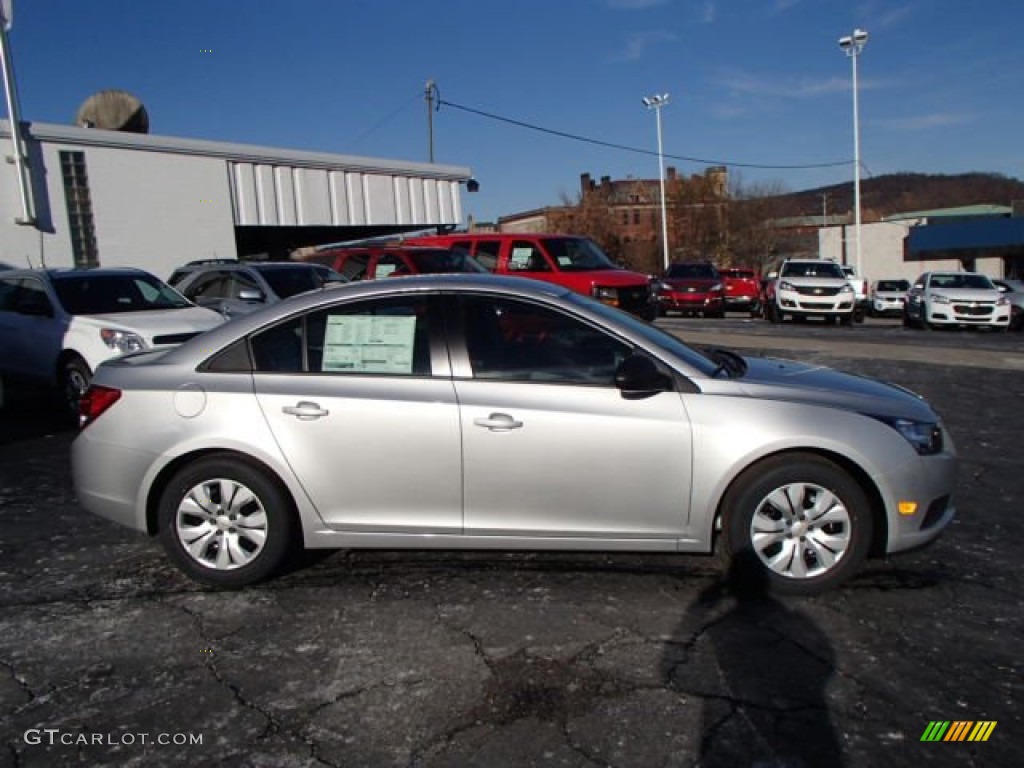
389,337
290,280
524,256
487,254
517,341
577,254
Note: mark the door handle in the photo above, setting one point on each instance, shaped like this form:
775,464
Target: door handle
305,410
498,422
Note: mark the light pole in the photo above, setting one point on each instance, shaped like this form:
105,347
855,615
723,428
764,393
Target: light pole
656,102
852,45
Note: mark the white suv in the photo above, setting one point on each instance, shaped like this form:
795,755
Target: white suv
57,325
956,299
811,288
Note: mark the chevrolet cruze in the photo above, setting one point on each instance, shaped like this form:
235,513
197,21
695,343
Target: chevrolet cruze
484,412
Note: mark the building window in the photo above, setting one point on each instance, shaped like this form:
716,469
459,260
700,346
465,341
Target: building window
79,205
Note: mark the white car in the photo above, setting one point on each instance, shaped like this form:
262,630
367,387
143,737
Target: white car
887,298
956,299
811,288
58,325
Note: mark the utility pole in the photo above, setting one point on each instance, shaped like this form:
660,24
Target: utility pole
431,95
28,213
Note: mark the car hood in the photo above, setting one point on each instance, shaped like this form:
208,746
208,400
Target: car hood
967,294
157,322
771,378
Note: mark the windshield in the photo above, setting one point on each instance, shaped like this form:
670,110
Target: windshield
102,294
893,285
965,280
692,272
577,254
291,279
440,261
812,269
655,337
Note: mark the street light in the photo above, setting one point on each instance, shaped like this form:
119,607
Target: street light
656,102
852,45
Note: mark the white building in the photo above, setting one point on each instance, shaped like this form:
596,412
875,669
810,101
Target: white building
109,198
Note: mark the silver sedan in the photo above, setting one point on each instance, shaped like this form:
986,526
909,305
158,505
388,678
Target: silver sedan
479,412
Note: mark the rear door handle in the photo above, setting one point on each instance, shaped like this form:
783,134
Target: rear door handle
498,422
305,410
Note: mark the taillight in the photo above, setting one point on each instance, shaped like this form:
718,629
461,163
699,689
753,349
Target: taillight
94,402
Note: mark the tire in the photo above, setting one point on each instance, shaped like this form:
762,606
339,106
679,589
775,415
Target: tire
235,542
772,313
74,378
794,554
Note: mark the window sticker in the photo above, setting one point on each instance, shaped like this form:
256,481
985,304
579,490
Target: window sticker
369,344
564,261
385,270
520,258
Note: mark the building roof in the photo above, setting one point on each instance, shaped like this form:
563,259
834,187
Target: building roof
963,211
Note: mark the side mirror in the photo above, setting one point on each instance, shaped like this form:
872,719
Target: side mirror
772,275
637,377
251,294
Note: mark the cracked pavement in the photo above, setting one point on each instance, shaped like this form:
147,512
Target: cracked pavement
493,659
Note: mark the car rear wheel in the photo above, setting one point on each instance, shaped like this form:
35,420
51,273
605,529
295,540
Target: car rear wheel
801,521
227,523
772,313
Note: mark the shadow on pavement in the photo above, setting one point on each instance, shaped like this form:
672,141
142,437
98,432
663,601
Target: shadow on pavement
28,412
761,668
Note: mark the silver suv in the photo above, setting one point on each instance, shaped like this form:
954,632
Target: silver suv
811,288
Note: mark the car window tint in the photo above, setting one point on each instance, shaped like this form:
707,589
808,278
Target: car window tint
96,294
279,349
354,266
519,341
487,254
383,337
8,294
526,257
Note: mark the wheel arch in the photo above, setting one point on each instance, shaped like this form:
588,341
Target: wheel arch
879,527
163,479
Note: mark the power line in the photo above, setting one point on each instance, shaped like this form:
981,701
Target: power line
383,120
637,150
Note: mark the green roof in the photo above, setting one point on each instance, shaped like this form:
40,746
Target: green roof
964,211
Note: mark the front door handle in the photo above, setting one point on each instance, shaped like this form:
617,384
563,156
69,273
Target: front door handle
305,410
498,422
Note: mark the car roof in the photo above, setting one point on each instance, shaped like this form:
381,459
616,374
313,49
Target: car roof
59,273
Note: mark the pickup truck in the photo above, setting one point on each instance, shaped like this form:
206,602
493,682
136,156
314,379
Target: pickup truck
860,292
742,289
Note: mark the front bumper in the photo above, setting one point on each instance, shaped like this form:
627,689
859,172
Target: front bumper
887,307
929,482
690,302
964,314
815,305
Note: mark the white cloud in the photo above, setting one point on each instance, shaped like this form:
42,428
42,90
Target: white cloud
894,16
638,43
924,122
634,5
784,87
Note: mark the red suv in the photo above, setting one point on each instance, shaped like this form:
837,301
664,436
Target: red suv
369,262
692,288
742,289
568,260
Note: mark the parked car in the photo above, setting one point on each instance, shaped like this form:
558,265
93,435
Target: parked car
811,288
185,270
956,299
517,414
58,325
887,297
860,291
370,262
240,288
577,263
1013,290
742,289
692,288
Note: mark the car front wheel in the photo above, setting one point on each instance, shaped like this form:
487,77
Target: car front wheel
75,377
802,522
227,523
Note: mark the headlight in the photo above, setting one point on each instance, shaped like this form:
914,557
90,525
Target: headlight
607,295
846,289
123,341
925,436
1002,301
785,285
938,298
715,288
660,286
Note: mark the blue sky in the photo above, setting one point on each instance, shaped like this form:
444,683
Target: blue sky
757,82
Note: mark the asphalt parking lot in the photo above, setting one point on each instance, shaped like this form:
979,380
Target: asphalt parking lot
491,659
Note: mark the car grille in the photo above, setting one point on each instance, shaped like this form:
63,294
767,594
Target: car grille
634,299
804,290
173,338
970,309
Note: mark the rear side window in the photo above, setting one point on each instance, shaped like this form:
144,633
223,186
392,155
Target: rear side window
487,254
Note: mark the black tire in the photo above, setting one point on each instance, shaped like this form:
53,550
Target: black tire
771,312
255,561
749,497
74,378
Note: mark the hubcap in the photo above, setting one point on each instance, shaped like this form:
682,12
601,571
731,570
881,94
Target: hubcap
221,524
75,384
800,530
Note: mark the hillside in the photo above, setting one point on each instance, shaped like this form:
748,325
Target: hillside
905,192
